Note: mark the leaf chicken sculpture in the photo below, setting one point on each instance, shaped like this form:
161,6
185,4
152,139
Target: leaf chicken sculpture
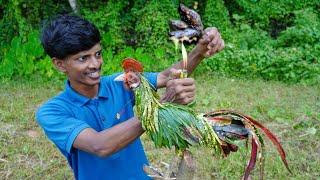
172,125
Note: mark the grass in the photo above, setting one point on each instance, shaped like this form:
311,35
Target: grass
292,112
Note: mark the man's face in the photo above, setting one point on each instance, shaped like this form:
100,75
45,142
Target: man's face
83,68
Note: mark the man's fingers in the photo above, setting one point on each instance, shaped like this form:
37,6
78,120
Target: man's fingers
185,100
180,91
186,81
214,34
204,40
210,30
215,48
214,42
169,95
175,73
185,89
177,82
184,95
218,47
211,33
208,35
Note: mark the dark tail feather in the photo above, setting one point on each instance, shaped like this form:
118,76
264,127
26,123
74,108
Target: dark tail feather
253,159
261,162
268,133
273,139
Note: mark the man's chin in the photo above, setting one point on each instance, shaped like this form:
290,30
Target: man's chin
93,81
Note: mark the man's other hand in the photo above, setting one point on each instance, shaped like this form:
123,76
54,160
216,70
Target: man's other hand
210,42
180,91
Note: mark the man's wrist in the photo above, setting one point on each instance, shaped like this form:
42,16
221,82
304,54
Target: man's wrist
194,58
196,54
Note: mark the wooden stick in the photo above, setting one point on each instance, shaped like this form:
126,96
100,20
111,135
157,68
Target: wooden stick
187,167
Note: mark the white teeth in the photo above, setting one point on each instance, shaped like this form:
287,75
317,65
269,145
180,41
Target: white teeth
94,74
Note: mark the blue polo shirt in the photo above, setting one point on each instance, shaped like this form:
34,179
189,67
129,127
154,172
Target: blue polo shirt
66,115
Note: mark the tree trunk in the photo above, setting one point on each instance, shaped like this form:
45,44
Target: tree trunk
73,4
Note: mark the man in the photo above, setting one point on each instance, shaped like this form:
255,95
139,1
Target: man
92,121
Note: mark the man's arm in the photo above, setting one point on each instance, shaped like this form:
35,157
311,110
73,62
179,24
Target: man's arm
210,43
108,141
181,91
67,131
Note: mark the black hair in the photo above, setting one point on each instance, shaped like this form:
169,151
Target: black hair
67,35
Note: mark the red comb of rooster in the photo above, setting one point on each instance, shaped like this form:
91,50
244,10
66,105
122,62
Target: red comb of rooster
130,64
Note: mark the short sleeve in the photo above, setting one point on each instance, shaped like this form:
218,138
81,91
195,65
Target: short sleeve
59,125
152,78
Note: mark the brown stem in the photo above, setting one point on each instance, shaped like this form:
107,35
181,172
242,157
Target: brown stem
187,167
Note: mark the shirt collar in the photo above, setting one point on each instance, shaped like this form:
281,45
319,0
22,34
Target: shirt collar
81,99
102,90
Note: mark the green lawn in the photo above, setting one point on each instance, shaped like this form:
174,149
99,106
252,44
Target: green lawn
292,112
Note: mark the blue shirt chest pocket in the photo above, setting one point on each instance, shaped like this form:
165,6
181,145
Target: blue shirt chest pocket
98,123
87,116
109,122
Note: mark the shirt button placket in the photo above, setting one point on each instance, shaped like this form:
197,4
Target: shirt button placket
96,103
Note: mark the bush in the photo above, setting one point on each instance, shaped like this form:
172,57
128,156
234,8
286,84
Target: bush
26,59
266,39
289,64
306,30
108,19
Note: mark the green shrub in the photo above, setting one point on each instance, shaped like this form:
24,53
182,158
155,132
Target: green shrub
216,14
265,39
108,19
289,64
152,23
26,59
259,12
306,30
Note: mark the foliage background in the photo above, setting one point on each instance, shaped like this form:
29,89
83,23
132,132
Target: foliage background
273,40
266,42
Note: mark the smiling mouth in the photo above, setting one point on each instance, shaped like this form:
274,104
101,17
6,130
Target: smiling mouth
94,74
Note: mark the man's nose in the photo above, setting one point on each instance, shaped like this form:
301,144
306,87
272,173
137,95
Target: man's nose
94,62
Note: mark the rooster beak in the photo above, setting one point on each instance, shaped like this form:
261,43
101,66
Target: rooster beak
134,85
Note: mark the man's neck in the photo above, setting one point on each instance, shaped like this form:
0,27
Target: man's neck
85,90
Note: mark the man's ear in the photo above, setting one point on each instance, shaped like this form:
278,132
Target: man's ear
59,64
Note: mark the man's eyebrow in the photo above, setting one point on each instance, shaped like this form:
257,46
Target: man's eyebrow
81,55
85,54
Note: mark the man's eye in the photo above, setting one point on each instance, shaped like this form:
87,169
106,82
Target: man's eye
82,59
98,54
